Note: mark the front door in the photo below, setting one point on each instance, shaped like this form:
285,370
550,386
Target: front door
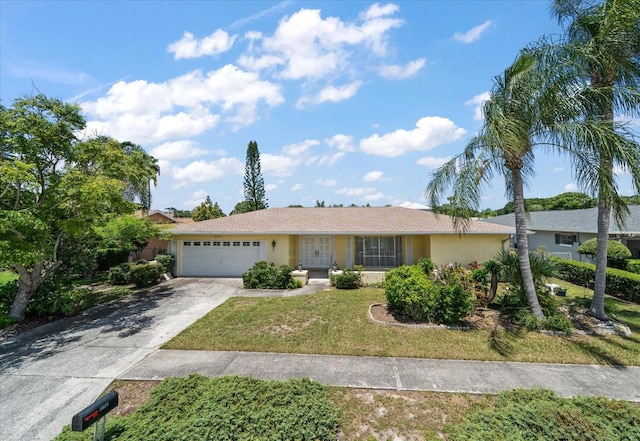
316,251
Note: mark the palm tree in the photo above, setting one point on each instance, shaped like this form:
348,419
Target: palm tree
503,145
140,185
604,50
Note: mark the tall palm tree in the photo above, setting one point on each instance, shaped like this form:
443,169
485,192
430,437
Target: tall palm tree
503,146
140,185
604,50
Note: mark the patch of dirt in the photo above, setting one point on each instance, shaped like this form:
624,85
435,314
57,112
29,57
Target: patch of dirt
131,395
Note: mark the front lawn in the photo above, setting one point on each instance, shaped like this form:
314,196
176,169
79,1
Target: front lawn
337,322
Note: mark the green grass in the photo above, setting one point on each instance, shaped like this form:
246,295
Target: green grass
337,322
7,276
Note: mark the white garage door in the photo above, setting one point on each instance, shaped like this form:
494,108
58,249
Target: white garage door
220,258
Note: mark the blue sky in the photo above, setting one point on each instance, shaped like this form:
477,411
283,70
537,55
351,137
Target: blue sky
349,101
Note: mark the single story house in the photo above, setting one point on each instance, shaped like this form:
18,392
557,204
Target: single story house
561,232
317,238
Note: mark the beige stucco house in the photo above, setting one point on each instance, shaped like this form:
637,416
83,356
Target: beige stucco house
316,238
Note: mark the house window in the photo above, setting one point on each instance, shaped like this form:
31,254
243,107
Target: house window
216,243
196,243
226,243
186,243
236,243
206,243
379,251
256,244
246,244
566,239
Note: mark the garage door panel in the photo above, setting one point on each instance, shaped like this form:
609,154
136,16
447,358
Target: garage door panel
228,258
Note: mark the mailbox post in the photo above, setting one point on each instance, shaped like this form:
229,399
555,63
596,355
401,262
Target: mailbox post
91,414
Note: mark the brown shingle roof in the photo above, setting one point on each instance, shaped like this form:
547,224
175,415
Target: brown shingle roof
356,220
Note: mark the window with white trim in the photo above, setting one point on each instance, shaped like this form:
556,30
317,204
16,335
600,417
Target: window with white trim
246,244
236,243
379,251
226,243
206,243
216,243
186,243
196,243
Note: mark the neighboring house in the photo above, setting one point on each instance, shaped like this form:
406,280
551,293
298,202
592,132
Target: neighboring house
561,232
316,238
159,246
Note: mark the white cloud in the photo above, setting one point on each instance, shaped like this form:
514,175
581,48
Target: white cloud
331,94
278,165
432,161
430,132
557,169
300,148
177,150
373,176
326,182
356,191
397,72
270,187
330,160
260,15
373,197
472,34
478,101
189,47
36,70
306,45
196,198
165,166
341,142
296,187
142,111
571,187
201,171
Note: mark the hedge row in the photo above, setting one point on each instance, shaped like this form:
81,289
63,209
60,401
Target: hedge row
621,284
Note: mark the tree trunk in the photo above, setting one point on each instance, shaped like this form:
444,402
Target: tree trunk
523,244
493,287
600,283
28,283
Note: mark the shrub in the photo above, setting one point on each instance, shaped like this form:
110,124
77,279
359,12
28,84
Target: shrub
407,291
426,265
167,261
119,275
559,322
8,292
621,284
541,414
633,266
145,274
349,279
450,304
267,276
616,251
525,318
110,257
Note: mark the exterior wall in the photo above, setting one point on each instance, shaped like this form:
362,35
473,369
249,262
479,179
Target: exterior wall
547,239
453,248
340,250
153,248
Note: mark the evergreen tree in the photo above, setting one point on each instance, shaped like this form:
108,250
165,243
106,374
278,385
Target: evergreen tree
254,193
207,210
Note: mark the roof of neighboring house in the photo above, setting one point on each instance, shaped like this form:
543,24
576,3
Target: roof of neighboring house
356,220
571,221
414,206
169,217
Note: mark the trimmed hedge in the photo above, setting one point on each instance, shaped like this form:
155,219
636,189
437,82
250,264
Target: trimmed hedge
349,279
621,284
633,266
268,276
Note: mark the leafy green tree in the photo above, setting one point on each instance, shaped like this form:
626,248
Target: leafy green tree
604,51
128,232
54,188
178,213
241,207
254,193
207,210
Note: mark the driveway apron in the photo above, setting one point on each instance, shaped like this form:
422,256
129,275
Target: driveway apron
52,372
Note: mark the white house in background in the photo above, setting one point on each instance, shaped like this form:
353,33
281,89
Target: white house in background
414,206
561,232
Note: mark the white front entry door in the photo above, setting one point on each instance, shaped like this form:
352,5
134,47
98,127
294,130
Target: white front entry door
317,251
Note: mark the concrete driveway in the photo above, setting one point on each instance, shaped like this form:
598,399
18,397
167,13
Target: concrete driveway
52,372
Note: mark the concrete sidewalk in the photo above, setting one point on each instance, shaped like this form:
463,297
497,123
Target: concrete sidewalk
397,373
